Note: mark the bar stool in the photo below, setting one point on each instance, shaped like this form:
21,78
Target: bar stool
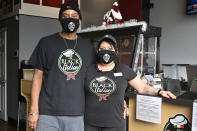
26,93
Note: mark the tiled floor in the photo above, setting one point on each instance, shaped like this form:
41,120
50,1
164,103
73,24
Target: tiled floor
4,126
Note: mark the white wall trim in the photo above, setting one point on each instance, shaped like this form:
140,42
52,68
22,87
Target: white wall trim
38,10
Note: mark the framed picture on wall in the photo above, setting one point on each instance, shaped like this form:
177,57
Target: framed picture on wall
126,45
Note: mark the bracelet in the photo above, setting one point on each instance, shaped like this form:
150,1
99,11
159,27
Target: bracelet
158,92
33,114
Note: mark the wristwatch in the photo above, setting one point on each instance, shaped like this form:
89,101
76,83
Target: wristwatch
158,92
33,114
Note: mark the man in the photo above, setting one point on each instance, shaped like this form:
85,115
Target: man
60,61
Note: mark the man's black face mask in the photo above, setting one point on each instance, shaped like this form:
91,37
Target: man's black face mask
70,24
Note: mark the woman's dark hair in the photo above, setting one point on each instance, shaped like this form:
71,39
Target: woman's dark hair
110,42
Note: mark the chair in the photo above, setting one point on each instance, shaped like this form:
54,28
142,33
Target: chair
25,76
26,93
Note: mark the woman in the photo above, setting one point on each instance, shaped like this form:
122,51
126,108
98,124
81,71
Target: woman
105,86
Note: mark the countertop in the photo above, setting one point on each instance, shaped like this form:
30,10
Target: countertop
186,98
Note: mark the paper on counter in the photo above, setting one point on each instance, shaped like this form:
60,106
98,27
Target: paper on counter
148,108
194,117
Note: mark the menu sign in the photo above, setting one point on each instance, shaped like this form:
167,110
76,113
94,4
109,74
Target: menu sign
148,109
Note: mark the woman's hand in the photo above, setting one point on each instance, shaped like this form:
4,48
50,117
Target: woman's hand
142,88
167,94
125,110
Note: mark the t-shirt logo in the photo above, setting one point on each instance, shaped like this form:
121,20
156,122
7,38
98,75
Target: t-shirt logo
178,123
71,26
102,86
70,63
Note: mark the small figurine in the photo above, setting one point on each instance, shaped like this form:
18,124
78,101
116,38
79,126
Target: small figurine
113,16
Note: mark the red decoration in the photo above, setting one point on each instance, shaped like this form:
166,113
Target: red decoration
36,2
52,3
131,9
113,16
102,97
70,0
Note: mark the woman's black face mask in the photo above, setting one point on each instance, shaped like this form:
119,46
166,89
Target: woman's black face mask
70,24
106,56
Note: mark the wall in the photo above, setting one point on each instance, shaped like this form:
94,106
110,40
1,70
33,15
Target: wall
179,40
12,65
31,29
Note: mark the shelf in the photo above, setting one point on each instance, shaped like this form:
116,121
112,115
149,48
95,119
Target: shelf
126,28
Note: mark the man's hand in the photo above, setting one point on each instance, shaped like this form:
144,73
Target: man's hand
35,92
33,121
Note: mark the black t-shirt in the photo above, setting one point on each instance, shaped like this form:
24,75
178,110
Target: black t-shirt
104,92
64,68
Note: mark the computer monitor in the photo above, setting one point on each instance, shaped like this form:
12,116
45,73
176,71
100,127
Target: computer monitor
191,74
174,86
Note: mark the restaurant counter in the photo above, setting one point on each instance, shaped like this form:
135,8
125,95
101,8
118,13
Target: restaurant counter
170,109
